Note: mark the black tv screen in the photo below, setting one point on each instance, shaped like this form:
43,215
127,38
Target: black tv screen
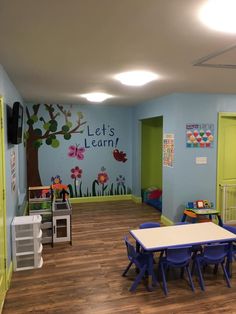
15,122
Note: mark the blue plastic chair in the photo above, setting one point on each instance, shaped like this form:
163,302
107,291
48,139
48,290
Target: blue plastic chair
140,260
149,224
230,228
178,257
146,225
213,254
233,230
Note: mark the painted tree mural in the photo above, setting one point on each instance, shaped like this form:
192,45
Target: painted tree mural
48,133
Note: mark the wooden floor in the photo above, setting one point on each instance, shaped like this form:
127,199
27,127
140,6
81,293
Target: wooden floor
86,277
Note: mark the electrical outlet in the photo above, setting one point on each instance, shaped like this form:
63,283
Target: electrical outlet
201,160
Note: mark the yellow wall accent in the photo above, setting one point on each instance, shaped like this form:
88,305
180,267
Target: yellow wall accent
9,274
8,283
3,203
2,303
166,221
226,171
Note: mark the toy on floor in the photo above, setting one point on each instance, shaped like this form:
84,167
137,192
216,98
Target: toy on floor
152,197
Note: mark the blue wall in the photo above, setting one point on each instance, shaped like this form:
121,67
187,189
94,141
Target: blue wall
186,180
10,95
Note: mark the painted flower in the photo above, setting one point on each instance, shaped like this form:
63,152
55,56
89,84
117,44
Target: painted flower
102,177
76,173
120,180
56,180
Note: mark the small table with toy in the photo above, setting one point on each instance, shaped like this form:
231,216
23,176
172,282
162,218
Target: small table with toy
198,211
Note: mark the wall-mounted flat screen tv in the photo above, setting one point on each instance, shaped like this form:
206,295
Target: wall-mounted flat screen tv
15,123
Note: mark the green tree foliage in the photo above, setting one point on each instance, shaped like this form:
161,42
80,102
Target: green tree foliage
51,130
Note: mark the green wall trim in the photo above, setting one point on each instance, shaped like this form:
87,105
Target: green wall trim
226,114
25,209
136,199
100,199
9,275
151,152
166,221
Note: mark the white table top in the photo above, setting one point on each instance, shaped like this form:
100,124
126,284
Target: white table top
152,239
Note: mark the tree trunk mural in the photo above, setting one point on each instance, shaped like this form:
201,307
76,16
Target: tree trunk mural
33,176
49,133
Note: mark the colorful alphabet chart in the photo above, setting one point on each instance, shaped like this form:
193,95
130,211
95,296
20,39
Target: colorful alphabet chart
13,169
200,135
168,150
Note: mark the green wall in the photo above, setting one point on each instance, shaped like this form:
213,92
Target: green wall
151,163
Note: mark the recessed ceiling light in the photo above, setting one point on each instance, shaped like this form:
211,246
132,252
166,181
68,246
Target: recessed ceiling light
136,78
219,15
96,97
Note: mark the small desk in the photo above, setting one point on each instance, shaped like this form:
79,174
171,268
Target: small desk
156,239
194,213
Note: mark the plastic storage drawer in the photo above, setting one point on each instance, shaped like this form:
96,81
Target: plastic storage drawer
27,226
28,261
27,246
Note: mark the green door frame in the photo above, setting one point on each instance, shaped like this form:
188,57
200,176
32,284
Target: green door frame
219,142
3,254
150,124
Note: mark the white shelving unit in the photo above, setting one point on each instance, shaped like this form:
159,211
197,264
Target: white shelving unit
26,242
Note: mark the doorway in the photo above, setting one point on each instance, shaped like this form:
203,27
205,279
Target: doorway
151,153
226,166
2,210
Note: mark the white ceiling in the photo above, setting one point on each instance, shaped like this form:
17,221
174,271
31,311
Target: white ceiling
54,50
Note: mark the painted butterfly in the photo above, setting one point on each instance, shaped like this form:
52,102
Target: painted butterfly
76,152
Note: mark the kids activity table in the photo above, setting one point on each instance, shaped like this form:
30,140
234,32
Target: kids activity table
195,213
157,239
